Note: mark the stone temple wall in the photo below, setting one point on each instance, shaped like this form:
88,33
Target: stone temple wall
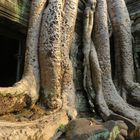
134,11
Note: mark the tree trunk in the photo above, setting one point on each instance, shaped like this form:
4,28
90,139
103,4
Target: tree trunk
50,54
92,71
25,93
123,44
68,26
55,42
113,99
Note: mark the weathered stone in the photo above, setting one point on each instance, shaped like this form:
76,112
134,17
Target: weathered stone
133,6
90,129
41,129
15,10
134,11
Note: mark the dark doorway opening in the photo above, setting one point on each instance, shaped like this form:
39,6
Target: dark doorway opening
11,61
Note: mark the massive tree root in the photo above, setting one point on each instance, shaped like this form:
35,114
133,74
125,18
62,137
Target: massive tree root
55,43
113,99
68,89
92,71
97,75
55,65
54,24
50,54
123,45
26,92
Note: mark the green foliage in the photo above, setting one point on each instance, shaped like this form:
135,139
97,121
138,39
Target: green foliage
101,135
114,133
62,128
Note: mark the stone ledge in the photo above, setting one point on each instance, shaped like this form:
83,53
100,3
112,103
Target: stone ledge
15,10
41,129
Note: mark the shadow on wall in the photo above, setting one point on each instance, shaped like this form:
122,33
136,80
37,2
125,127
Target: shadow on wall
11,61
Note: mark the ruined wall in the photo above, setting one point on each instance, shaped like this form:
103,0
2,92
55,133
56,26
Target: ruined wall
15,13
134,11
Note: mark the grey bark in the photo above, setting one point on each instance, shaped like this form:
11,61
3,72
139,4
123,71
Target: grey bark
113,99
68,26
92,71
123,45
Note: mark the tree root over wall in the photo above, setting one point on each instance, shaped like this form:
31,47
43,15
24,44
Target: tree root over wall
48,65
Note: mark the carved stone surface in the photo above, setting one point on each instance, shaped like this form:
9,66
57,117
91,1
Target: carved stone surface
134,10
41,129
15,10
133,6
